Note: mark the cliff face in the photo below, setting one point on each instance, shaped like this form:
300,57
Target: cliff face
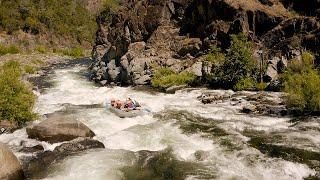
147,34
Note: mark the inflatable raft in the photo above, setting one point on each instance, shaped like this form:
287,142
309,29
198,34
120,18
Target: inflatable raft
126,114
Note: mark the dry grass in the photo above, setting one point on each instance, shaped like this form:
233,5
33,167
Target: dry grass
277,10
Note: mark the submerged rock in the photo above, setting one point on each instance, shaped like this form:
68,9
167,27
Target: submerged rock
10,167
173,89
33,149
57,129
37,168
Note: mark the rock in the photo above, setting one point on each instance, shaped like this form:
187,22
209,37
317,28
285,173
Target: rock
58,129
190,46
10,167
103,83
212,97
32,149
271,73
142,80
196,69
173,89
8,127
173,33
36,168
249,109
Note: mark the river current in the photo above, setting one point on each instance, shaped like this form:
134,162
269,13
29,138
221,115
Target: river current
194,153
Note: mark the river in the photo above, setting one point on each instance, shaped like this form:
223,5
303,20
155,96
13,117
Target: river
193,140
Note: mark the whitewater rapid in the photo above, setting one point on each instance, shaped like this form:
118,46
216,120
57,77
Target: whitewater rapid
72,93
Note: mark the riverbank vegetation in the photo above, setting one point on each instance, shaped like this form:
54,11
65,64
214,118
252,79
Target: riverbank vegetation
301,82
12,49
16,98
165,78
55,17
236,68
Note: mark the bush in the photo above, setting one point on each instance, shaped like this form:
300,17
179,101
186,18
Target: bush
239,62
301,83
246,84
110,7
58,17
41,49
74,52
8,50
30,69
261,86
16,100
165,78
237,68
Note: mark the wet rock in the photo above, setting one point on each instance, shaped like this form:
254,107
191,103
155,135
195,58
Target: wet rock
208,98
33,149
10,167
8,127
271,110
173,89
57,129
36,168
103,83
161,165
249,109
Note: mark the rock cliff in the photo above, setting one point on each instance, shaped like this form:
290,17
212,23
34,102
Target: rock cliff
144,35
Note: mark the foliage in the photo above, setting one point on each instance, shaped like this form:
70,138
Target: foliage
239,60
62,18
110,7
8,50
165,78
73,52
301,82
246,84
30,69
16,100
261,86
41,49
237,68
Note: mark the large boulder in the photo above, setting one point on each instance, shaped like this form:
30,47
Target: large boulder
10,167
57,129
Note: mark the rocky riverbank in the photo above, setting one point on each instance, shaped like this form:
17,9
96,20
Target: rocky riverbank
145,35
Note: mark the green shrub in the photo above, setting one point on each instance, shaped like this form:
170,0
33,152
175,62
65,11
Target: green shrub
73,52
165,78
261,86
58,17
41,49
239,62
8,50
236,68
30,69
16,100
37,62
246,84
301,83
110,7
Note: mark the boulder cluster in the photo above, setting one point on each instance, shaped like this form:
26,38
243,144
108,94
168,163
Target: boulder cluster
144,35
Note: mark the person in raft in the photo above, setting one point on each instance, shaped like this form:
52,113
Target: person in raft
117,103
130,104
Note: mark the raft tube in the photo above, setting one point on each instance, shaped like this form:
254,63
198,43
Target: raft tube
125,114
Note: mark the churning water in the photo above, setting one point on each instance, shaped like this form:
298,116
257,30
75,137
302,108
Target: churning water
193,141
